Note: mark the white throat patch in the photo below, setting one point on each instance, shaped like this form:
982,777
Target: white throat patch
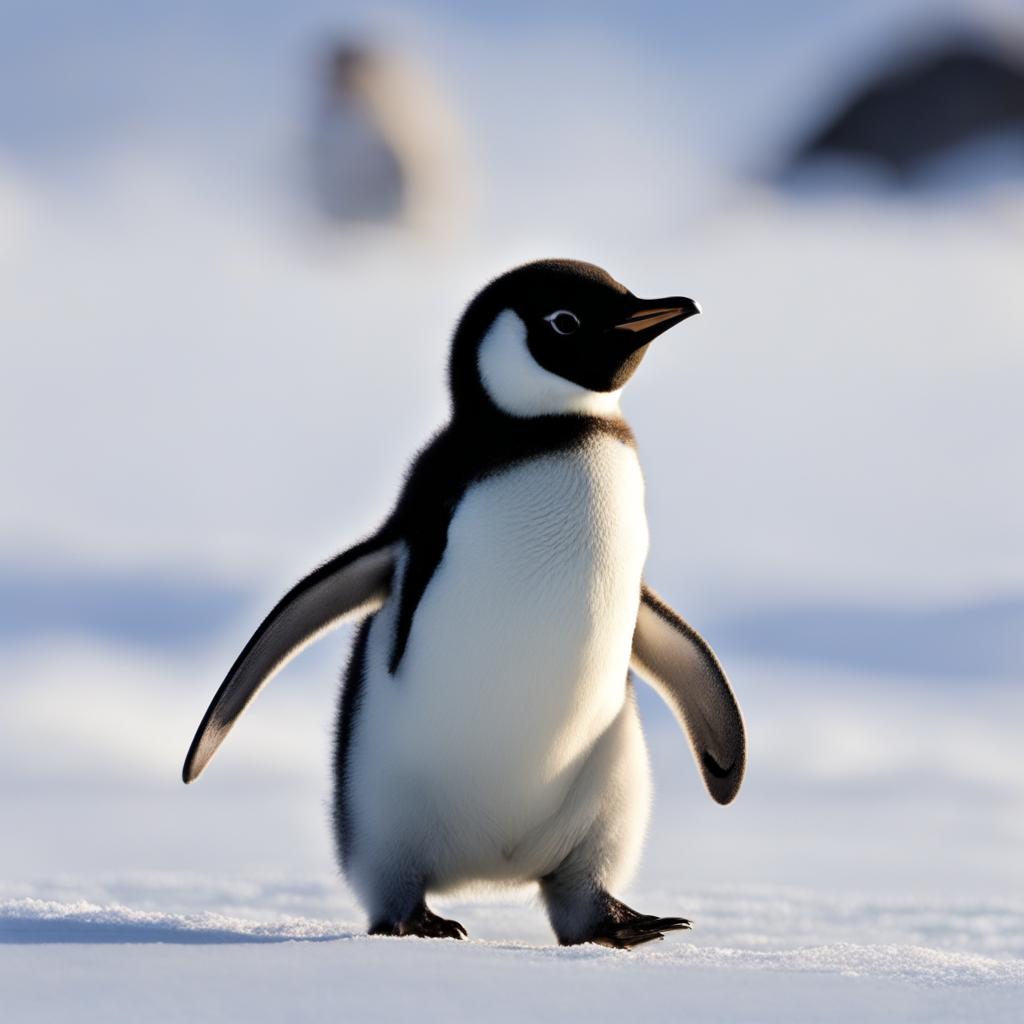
520,386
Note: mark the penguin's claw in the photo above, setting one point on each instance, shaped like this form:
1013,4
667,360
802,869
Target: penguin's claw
628,941
625,928
439,928
635,933
423,923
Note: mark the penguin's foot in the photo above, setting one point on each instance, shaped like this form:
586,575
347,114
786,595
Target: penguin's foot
623,928
422,922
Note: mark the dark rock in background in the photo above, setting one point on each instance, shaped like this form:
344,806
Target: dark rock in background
923,105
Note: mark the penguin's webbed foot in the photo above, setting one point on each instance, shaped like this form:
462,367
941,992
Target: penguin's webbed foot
623,927
422,922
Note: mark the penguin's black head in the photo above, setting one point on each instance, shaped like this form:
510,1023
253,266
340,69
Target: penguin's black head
556,337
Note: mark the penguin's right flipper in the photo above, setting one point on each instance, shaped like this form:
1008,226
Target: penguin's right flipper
353,584
678,662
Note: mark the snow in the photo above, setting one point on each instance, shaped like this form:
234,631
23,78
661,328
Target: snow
780,929
353,980
210,964
880,885
204,394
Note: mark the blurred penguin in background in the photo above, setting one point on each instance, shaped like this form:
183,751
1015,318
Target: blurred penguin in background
386,149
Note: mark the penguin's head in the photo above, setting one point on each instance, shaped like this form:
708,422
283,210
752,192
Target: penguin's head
556,337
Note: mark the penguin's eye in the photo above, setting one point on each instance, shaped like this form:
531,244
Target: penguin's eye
563,322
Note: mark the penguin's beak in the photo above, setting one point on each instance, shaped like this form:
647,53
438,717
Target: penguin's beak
651,317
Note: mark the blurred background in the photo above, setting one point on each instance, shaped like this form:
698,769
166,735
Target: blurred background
234,240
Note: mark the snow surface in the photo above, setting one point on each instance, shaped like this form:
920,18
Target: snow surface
204,968
203,394
368,979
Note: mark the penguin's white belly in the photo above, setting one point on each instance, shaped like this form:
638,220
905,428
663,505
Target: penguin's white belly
489,746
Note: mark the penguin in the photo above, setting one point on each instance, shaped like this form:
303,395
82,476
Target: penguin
488,733
385,146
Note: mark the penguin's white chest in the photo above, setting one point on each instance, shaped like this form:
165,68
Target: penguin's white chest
517,659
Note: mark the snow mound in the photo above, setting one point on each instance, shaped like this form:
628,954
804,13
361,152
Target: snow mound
40,921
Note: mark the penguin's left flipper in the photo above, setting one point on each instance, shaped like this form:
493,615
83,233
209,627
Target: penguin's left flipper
676,660
353,584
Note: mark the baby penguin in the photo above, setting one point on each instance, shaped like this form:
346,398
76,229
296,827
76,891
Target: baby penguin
488,731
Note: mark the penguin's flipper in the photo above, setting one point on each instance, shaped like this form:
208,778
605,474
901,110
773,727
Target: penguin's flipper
673,657
353,584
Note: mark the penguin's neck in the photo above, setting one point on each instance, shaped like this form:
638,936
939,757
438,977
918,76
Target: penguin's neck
490,437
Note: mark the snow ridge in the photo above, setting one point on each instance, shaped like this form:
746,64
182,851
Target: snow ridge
31,920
